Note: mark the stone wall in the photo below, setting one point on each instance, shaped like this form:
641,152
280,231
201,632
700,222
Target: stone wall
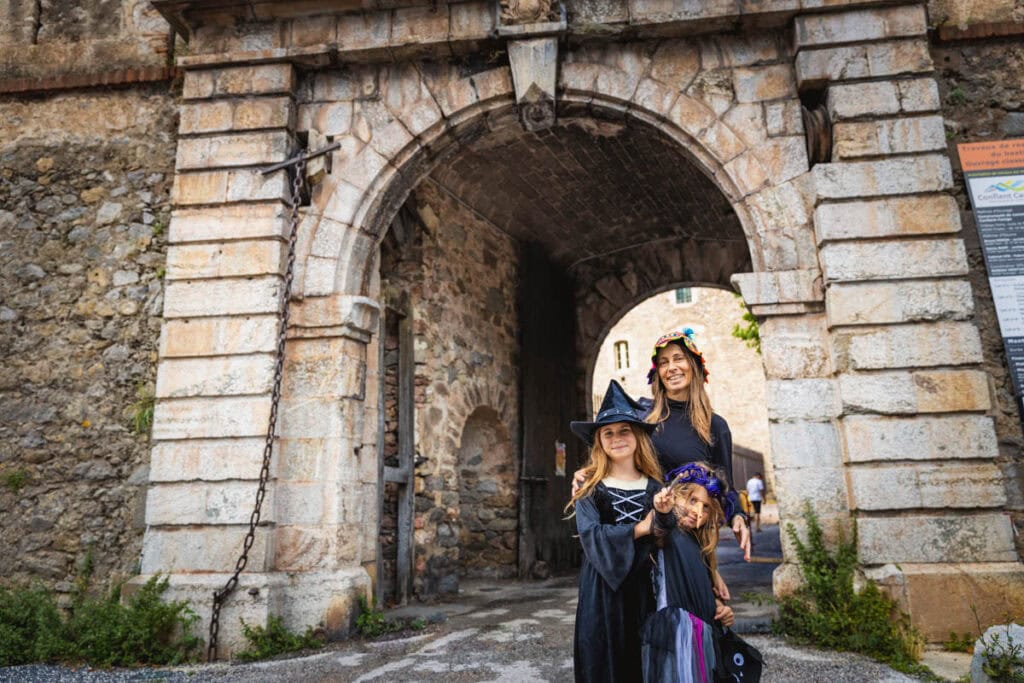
463,302
736,388
84,181
980,103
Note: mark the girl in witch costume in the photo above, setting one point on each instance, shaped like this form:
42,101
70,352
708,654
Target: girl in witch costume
613,519
678,643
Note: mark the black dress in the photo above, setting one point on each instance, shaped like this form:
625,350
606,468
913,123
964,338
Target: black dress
615,593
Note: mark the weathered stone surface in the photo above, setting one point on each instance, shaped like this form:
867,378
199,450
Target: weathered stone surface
802,399
875,438
933,391
938,485
180,338
209,460
845,261
222,502
226,151
805,445
881,98
860,25
221,116
197,298
984,537
874,60
795,347
198,418
757,84
236,221
904,175
231,259
890,136
907,346
263,79
886,302
222,376
216,187
202,549
891,217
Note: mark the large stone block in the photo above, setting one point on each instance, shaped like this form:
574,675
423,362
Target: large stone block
304,503
854,139
232,222
222,502
907,346
263,79
895,216
982,537
926,391
804,444
240,149
860,25
761,83
903,175
824,486
221,376
874,60
955,597
209,460
927,485
882,98
190,337
802,399
226,259
203,549
199,418
844,261
871,438
218,187
198,298
781,286
898,302
326,368
218,116
795,347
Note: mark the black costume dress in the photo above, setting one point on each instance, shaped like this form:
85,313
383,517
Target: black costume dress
672,649
677,443
615,593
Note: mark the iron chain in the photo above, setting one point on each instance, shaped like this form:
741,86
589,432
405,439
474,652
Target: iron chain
298,180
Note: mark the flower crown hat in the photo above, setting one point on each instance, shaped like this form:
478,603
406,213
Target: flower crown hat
684,338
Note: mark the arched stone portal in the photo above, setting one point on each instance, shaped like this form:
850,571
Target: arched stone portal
875,395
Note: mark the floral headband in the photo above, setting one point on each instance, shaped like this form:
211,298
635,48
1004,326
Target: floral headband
683,337
692,473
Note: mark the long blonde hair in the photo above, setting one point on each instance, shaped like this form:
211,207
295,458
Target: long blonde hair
596,469
698,399
707,533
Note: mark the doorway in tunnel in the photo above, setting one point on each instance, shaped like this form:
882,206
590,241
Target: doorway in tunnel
514,253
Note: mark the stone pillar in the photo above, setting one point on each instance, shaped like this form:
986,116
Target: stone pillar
909,397
225,272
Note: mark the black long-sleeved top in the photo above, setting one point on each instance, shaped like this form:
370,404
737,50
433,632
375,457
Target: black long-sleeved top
677,443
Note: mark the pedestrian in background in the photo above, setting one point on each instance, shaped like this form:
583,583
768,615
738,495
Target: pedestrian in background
755,492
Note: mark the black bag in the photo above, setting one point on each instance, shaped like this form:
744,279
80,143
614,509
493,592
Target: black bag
738,660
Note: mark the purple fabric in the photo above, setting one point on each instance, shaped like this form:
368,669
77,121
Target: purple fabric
698,642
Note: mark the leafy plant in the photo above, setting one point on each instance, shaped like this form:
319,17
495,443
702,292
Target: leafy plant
1002,658
142,409
372,623
15,480
958,643
274,640
99,631
827,611
956,96
749,332
757,598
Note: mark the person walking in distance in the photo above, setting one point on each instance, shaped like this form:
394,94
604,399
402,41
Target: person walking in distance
755,493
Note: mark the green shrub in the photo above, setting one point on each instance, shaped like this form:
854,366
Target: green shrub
749,332
371,622
958,643
1003,658
142,410
98,631
15,480
826,611
274,640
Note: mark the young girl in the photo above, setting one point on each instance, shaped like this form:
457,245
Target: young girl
613,518
678,643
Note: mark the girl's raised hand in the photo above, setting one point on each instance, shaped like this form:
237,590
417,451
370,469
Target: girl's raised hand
663,501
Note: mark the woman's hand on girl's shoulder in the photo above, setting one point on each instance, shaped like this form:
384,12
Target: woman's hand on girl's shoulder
724,614
579,477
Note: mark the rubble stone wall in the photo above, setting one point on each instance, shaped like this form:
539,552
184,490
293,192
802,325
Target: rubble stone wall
84,181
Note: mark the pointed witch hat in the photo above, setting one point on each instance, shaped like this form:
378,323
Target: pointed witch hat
617,406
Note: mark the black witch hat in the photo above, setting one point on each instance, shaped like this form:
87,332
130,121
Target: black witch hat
617,406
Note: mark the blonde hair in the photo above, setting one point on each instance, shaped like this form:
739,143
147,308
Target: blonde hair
698,399
596,469
707,533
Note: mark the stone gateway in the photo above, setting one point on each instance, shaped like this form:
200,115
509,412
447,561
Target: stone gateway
509,180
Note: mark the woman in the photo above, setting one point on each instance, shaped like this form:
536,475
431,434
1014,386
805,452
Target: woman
688,430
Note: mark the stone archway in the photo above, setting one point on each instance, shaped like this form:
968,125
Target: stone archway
488,498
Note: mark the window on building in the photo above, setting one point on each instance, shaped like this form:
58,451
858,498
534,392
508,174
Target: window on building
621,355
684,295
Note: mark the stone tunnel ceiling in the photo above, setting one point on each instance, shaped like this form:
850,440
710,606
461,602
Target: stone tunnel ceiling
588,188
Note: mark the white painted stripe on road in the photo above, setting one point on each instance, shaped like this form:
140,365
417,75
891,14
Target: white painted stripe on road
441,643
386,669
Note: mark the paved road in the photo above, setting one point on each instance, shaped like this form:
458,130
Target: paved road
506,632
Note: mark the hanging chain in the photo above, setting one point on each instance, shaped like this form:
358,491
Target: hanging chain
298,180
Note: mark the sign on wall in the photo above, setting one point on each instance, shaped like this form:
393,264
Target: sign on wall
994,174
